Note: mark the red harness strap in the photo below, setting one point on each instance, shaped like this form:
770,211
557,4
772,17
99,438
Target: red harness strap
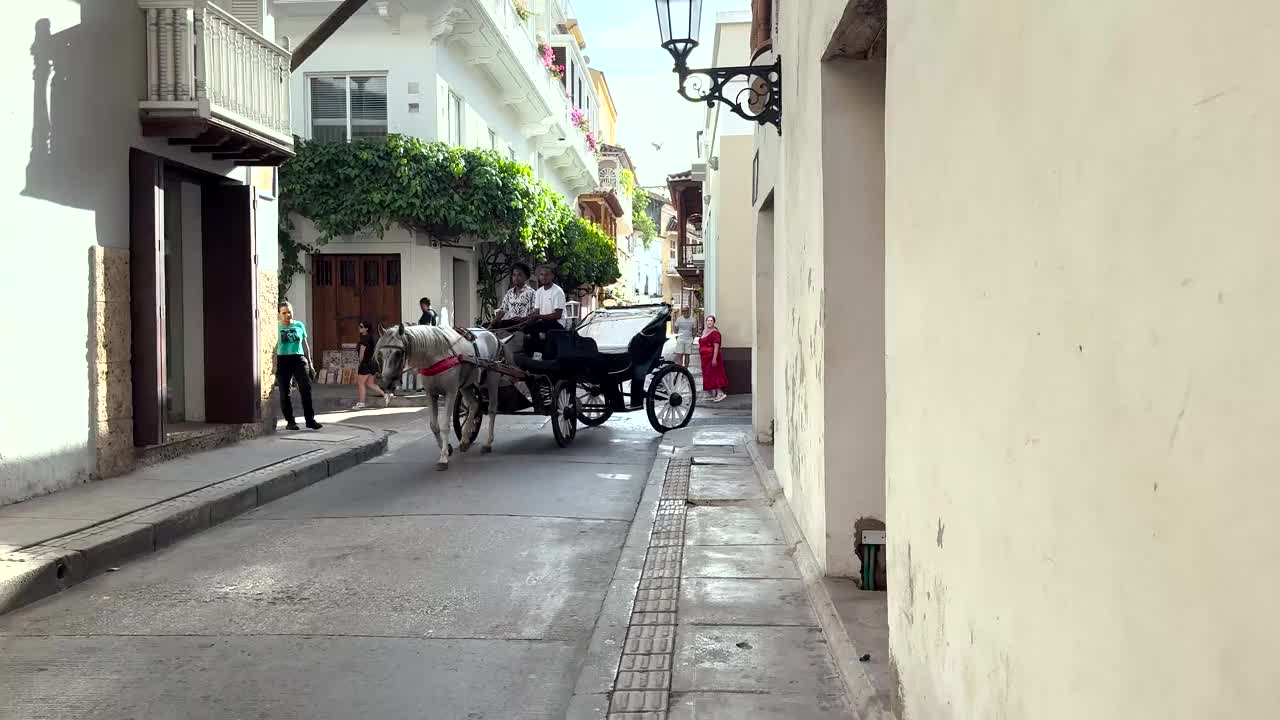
445,364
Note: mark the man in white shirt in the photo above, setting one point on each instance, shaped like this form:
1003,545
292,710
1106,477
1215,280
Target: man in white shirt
548,299
547,313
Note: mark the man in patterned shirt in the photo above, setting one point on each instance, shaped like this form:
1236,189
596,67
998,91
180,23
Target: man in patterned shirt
518,301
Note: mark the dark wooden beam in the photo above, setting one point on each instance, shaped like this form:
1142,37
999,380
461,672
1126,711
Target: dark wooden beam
208,137
245,153
324,31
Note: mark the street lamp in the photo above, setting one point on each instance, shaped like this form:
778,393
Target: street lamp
760,100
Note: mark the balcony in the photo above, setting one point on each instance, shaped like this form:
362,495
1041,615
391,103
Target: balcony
493,37
611,168
214,84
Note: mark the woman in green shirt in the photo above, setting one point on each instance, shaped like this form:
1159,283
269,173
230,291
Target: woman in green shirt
293,362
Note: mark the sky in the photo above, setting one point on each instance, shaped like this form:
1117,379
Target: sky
623,43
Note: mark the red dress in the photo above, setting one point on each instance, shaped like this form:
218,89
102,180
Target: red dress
713,378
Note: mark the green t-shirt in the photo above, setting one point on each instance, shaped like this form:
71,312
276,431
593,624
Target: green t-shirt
291,337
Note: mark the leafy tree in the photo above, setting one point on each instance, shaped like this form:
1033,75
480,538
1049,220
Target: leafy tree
644,225
449,194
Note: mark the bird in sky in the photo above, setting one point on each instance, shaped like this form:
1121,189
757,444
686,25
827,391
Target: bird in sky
657,146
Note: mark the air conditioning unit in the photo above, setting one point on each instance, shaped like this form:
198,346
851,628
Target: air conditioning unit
699,172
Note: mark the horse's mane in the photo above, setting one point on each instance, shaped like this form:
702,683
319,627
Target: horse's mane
426,345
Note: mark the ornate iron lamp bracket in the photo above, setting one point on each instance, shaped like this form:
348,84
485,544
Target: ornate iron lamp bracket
758,100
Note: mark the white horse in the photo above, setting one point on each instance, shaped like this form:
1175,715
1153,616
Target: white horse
442,352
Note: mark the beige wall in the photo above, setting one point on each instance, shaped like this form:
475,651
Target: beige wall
734,249
827,456
1082,362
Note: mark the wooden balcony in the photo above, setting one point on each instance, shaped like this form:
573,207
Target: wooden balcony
214,84
686,197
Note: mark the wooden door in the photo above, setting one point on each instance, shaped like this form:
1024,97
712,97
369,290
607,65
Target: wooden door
146,295
346,289
232,381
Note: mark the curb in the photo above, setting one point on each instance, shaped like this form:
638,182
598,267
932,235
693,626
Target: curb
36,572
859,688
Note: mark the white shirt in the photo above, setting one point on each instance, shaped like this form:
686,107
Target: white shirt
549,300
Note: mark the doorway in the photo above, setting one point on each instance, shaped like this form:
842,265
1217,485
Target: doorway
193,304
762,360
462,293
348,289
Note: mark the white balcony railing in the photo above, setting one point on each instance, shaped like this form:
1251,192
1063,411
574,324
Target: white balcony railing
203,62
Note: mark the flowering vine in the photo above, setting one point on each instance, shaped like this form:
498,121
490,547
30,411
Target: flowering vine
521,9
548,56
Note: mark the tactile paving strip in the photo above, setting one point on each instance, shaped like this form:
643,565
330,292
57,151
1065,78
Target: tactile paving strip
642,688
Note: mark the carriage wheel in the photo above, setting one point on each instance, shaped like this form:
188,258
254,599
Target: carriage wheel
671,399
460,417
564,413
593,408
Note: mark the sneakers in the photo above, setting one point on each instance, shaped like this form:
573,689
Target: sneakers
386,399
291,425
359,406
314,425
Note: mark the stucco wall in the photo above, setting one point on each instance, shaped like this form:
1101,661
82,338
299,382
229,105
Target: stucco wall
735,248
65,196
1082,254
853,256
800,280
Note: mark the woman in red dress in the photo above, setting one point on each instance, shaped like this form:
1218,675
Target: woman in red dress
714,380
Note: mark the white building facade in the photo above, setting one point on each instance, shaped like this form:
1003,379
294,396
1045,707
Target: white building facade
465,72
141,199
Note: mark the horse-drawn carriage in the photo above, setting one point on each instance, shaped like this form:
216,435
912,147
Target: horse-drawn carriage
610,362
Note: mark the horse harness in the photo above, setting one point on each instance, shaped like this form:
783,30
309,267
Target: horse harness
454,359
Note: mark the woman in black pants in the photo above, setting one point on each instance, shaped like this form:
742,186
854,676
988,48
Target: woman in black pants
293,362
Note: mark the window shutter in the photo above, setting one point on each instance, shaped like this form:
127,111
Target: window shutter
248,12
442,110
329,109
368,106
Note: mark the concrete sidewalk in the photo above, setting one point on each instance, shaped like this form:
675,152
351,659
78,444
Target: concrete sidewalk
54,541
720,614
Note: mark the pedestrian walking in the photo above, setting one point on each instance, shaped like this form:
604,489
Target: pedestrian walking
684,325
367,370
429,316
293,363
714,379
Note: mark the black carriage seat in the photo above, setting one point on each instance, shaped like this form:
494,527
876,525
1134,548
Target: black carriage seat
564,352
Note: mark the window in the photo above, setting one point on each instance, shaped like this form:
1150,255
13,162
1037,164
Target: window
348,107
455,119
493,141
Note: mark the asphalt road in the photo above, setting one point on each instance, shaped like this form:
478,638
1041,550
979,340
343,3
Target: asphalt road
389,591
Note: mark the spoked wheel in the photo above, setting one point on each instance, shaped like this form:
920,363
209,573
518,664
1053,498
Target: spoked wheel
564,413
460,417
593,408
671,399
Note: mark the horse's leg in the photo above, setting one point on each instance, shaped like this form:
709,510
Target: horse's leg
468,396
491,388
441,442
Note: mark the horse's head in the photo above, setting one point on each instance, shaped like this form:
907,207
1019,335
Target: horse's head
392,352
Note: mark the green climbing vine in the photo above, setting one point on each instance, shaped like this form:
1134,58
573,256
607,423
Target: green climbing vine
644,225
448,194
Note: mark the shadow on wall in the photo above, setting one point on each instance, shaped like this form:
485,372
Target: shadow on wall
86,81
